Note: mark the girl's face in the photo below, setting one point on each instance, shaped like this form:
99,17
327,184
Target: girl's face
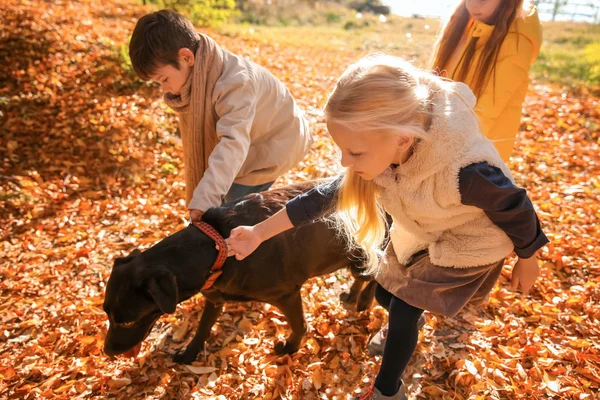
369,153
482,10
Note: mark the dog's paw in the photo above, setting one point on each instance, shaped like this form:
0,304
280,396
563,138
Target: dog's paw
185,357
348,302
345,297
363,304
285,347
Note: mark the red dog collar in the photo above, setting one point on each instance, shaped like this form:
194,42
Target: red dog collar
215,270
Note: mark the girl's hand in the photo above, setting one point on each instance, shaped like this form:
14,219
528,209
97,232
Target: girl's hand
242,242
524,274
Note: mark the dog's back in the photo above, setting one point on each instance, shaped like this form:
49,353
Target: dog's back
282,263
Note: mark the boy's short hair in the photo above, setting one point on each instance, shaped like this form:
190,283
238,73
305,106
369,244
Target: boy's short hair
157,39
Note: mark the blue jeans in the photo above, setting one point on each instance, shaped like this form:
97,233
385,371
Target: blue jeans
238,191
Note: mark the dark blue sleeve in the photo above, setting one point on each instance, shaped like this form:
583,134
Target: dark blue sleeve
505,204
314,204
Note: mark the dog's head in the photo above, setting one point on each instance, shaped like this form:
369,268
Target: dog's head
136,296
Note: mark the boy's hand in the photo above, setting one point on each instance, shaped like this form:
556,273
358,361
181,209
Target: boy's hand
524,274
195,215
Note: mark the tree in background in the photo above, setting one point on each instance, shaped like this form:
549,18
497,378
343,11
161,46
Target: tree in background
201,12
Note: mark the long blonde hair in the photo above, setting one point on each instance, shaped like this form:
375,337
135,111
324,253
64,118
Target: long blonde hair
378,93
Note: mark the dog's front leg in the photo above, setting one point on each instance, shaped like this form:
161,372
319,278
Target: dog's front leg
208,319
291,307
367,294
350,297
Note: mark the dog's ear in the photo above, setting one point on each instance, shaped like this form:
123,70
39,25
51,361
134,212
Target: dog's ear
124,260
121,260
163,289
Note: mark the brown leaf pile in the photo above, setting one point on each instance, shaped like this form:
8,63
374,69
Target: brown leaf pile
90,169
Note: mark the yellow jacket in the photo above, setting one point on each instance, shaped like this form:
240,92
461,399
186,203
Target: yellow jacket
499,106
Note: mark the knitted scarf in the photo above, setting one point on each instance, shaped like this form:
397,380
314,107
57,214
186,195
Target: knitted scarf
197,117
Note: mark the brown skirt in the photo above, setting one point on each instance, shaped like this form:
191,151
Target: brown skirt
441,290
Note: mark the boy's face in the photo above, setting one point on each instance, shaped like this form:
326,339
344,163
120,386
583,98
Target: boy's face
171,79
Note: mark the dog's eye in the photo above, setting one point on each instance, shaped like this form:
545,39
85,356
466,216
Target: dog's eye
126,324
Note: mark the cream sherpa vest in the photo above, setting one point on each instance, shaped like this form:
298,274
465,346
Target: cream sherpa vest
422,195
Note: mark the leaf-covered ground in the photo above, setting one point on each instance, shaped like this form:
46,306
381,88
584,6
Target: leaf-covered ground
90,169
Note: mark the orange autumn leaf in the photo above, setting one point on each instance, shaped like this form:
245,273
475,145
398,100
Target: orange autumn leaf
91,168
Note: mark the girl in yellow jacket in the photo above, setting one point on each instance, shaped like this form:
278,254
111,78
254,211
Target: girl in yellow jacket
490,45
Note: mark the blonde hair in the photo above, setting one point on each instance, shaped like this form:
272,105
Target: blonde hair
377,93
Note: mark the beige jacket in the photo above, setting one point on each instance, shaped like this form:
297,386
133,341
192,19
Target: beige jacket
422,195
262,132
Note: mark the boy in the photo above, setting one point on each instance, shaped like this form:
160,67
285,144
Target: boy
240,126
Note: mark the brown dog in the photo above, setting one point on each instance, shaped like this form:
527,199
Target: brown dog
145,285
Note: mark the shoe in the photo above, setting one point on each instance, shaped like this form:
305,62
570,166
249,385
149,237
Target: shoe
377,342
374,394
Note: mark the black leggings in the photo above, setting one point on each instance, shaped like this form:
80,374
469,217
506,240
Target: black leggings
400,343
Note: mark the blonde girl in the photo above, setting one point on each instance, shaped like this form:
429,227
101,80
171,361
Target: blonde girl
411,146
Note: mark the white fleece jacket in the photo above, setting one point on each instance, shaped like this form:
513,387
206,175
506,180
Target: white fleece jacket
422,194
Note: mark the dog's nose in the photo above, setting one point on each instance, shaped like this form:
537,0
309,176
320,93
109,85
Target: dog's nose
112,346
109,351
